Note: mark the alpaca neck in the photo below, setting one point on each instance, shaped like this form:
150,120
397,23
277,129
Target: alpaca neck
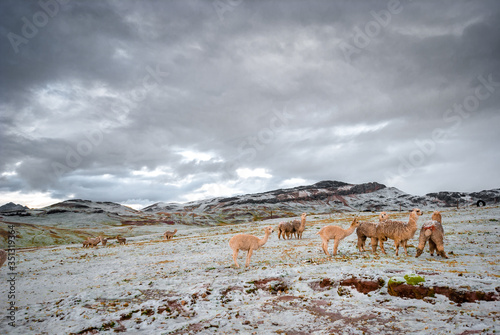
350,230
303,224
263,240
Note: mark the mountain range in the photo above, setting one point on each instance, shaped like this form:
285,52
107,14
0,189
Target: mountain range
73,220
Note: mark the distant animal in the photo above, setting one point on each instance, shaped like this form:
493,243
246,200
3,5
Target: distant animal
91,242
121,240
248,243
369,229
433,232
169,234
336,233
3,256
398,231
104,241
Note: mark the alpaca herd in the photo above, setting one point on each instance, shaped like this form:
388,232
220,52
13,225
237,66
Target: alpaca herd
378,232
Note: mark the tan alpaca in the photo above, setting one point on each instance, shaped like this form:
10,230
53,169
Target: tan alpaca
299,226
337,234
169,234
248,243
86,243
93,242
398,231
3,256
121,240
285,229
433,232
369,229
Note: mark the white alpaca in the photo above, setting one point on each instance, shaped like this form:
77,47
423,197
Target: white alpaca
247,243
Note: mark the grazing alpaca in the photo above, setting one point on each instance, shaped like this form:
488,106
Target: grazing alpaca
299,226
93,242
398,231
169,234
433,232
3,256
121,240
86,243
247,243
369,229
337,233
285,229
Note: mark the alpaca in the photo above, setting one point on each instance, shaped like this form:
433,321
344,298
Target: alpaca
104,241
3,257
299,226
86,243
121,240
369,229
337,234
433,232
398,231
169,234
285,229
247,243
93,242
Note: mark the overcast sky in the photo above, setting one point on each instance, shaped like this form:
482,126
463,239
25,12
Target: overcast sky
138,102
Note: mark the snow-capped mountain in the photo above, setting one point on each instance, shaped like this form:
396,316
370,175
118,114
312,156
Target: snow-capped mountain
322,197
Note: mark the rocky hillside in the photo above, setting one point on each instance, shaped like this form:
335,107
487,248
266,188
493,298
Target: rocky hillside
322,197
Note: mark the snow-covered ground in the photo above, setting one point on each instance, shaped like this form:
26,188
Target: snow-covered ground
189,284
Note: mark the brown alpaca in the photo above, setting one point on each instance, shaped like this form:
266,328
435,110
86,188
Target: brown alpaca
285,229
369,229
398,231
169,234
299,226
86,243
121,240
247,243
3,256
433,232
104,241
337,234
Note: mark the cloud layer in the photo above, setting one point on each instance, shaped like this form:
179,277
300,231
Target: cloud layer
139,102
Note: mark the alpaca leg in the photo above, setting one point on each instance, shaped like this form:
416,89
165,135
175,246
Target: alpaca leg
374,242
405,247
279,233
421,244
335,246
361,243
440,248
381,242
396,245
324,245
432,247
249,255
235,257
